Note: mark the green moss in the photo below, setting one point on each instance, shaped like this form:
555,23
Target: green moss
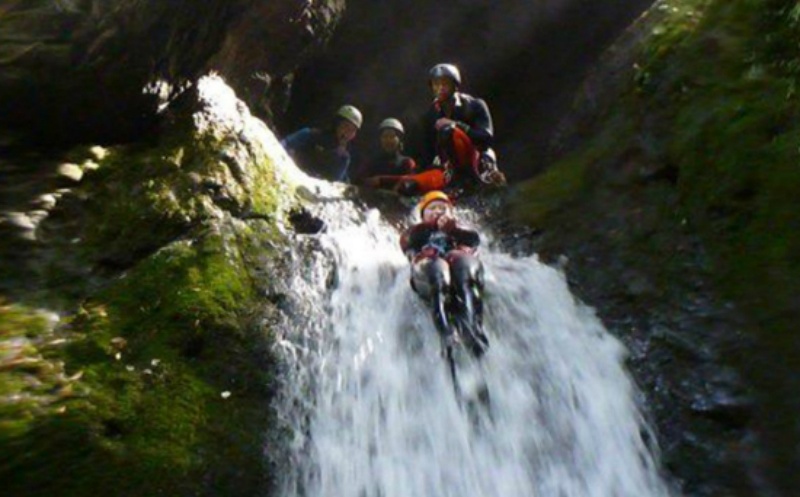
156,351
711,112
539,198
713,95
160,384
735,141
264,199
31,382
140,200
142,197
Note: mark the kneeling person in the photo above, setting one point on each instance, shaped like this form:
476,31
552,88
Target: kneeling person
459,133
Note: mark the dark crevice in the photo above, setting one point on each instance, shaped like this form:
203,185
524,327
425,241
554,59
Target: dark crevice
306,223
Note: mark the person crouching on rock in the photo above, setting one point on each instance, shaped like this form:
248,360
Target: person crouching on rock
459,132
325,153
445,271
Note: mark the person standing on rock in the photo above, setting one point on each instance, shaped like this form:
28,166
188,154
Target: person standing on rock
325,153
459,133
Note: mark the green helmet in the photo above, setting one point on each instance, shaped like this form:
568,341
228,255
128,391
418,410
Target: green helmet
350,113
392,123
445,71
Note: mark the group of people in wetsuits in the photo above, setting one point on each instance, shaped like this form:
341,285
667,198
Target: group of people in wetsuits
458,138
458,152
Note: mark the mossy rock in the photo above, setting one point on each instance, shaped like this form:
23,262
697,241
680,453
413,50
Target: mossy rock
143,197
710,113
160,383
174,388
712,99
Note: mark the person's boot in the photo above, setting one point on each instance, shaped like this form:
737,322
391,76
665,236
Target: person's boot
480,341
473,317
444,325
487,170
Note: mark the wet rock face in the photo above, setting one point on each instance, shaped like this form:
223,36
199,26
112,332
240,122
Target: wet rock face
102,210
75,70
187,235
655,234
649,279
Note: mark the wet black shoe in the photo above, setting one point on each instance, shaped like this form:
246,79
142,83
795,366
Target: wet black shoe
480,343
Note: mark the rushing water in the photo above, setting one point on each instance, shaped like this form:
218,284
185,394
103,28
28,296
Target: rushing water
373,410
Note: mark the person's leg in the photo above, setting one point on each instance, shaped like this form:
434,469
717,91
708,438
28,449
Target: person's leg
430,279
388,182
424,182
456,147
467,274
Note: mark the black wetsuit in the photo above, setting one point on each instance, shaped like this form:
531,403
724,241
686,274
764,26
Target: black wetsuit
388,168
446,273
423,235
471,115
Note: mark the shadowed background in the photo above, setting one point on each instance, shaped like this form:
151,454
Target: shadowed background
526,58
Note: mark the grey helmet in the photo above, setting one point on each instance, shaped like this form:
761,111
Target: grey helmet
350,113
445,71
392,123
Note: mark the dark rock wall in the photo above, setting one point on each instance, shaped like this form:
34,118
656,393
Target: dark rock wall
74,70
674,199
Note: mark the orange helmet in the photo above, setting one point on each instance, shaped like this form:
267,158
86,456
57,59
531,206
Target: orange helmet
431,197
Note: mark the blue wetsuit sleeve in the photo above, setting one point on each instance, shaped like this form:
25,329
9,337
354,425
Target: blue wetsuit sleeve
298,140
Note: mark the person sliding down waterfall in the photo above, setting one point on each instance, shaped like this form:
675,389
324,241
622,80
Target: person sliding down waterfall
459,133
446,273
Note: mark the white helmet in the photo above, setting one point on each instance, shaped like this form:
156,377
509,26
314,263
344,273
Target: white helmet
445,71
351,114
392,123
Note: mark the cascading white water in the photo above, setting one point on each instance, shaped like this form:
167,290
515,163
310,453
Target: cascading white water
372,405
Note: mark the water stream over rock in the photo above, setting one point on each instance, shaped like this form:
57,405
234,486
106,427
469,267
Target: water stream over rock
371,406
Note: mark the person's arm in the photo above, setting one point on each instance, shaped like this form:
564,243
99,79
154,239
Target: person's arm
466,237
298,140
405,242
481,131
460,236
361,173
415,238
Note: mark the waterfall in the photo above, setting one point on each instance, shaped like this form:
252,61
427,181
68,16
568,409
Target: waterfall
370,403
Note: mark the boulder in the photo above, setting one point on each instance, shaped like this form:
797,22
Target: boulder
76,71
